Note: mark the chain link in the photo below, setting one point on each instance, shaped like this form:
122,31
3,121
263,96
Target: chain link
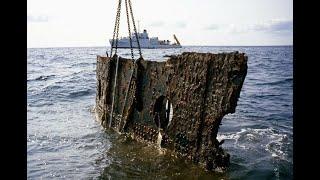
135,29
116,29
116,33
115,36
129,30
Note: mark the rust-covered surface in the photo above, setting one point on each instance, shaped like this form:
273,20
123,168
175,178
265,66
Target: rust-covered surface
199,88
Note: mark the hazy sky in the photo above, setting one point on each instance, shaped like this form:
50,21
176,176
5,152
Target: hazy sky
73,23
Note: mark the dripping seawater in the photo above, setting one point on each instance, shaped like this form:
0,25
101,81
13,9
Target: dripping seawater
159,139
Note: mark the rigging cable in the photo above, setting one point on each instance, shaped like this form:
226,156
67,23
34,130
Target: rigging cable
115,33
116,29
135,61
114,45
129,30
114,91
135,29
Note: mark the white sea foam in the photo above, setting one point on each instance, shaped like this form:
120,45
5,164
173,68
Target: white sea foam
267,139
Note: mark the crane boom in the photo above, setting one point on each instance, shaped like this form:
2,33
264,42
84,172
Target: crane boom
174,36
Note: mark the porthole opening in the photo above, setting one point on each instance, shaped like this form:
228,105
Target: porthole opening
162,112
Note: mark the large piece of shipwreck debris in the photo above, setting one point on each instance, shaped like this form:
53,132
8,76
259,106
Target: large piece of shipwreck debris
185,98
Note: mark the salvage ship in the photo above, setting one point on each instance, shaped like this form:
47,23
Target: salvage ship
146,42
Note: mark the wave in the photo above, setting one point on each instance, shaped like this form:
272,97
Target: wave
58,58
278,82
42,78
51,87
266,58
52,99
47,143
80,93
40,104
84,64
262,96
264,139
41,56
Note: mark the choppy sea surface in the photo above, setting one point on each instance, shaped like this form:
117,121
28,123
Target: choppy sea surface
64,141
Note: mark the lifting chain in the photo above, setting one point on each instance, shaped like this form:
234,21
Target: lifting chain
135,29
115,39
135,61
115,33
129,30
115,43
116,29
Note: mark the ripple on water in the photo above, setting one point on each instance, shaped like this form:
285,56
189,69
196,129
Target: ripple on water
261,140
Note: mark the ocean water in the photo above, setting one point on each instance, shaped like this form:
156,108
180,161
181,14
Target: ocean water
64,141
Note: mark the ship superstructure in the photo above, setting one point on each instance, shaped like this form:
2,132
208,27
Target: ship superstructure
146,42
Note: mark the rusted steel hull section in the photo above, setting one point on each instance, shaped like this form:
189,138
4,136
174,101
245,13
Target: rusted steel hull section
187,95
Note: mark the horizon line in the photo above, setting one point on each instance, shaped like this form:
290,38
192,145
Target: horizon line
156,48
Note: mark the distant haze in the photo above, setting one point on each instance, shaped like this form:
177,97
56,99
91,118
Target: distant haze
84,23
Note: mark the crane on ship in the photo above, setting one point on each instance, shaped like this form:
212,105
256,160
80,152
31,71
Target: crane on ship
175,38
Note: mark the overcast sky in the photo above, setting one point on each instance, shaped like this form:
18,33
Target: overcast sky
84,23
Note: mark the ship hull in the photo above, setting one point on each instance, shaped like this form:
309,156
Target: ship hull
145,45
